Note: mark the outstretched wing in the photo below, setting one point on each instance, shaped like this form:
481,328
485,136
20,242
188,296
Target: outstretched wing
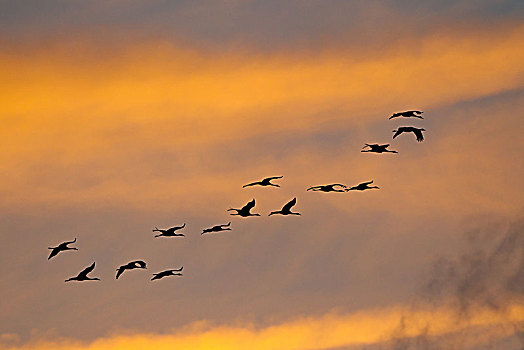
69,242
120,271
367,183
252,184
399,131
418,134
85,271
273,178
394,115
177,227
249,205
54,252
176,270
289,205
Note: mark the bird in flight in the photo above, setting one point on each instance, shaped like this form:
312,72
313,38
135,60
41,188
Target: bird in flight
265,182
217,228
416,131
362,186
376,148
60,248
286,209
327,188
82,276
169,232
137,264
408,114
173,272
245,210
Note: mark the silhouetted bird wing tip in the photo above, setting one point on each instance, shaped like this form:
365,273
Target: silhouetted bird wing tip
89,268
289,204
397,132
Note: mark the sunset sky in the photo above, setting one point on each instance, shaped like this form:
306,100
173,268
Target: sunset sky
119,116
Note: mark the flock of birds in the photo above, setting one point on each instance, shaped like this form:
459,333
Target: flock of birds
245,211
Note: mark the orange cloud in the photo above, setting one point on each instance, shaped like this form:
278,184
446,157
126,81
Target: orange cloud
78,126
323,332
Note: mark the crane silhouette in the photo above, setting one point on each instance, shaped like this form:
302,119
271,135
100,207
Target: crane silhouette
217,228
60,248
408,114
169,232
265,182
245,211
376,148
362,186
136,264
286,209
166,273
416,131
82,276
327,188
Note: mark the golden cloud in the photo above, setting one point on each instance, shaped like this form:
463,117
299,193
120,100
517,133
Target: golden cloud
323,332
78,125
